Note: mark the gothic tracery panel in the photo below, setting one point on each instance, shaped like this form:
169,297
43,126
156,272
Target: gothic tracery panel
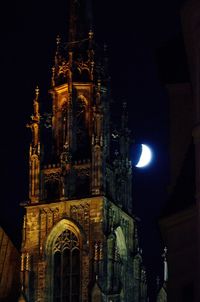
66,268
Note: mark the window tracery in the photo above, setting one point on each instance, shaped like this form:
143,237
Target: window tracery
67,239
66,268
81,126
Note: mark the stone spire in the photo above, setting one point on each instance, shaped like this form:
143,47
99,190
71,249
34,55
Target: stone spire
80,19
34,152
73,20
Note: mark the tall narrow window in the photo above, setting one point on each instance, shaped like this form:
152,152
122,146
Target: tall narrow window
57,273
66,264
81,129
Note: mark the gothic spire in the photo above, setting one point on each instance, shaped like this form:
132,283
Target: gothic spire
80,19
74,4
36,104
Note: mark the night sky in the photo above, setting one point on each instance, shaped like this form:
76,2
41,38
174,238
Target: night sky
135,32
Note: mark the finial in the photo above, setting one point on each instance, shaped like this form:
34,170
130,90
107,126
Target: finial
90,34
36,105
24,221
53,77
37,91
101,251
165,264
35,120
96,251
22,262
27,263
99,84
58,39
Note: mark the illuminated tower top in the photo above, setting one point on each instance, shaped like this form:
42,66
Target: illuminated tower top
77,156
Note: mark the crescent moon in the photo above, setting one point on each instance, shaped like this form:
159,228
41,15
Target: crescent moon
145,157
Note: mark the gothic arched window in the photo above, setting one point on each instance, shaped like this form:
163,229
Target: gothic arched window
66,268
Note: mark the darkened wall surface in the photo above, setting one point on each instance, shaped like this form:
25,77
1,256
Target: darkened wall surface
180,222
179,232
9,269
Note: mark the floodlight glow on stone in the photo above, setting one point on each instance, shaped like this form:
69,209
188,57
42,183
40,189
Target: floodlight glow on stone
145,157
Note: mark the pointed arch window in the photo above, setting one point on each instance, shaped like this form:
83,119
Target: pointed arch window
81,127
66,268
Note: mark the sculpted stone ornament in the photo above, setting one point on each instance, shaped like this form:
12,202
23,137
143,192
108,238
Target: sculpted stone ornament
35,133
47,120
63,69
66,157
35,120
53,176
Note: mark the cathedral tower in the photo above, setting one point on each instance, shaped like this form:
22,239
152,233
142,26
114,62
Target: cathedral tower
79,234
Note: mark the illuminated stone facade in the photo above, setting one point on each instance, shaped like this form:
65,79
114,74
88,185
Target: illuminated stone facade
79,235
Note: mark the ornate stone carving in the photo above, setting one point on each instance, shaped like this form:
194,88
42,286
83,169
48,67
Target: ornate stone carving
55,214
80,213
52,176
81,66
66,240
63,68
41,280
82,171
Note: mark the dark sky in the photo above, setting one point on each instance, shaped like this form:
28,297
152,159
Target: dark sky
134,32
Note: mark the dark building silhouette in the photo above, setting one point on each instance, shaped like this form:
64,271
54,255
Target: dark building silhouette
180,221
9,269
